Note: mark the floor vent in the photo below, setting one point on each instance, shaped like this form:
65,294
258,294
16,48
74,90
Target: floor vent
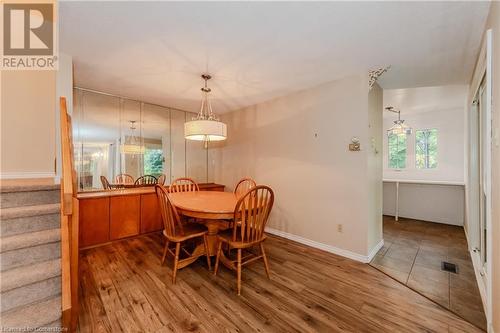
449,267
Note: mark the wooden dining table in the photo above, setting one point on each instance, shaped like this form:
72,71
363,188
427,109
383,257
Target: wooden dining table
213,209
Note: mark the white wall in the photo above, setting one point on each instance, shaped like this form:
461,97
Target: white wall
442,108
298,144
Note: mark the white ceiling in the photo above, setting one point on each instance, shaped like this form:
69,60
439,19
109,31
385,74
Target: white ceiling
257,51
426,99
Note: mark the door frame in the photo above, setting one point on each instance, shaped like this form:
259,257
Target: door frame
482,73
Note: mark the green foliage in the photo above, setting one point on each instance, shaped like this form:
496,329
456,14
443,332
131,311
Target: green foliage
397,151
426,149
153,162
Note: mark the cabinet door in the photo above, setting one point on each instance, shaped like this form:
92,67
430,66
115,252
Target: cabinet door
94,221
124,216
150,214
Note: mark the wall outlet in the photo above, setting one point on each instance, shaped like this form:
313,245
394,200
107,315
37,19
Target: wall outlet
339,227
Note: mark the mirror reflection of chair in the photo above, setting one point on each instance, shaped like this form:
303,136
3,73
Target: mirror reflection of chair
146,180
183,185
124,178
243,186
161,179
105,183
251,213
178,233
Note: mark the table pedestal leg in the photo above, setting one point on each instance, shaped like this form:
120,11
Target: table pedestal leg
213,228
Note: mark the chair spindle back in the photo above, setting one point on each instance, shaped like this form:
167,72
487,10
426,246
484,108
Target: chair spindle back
124,178
183,185
105,183
171,220
243,186
146,180
252,210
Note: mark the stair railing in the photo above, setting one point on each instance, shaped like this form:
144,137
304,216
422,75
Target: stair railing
69,224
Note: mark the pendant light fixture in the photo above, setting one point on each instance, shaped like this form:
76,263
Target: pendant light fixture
399,126
205,126
132,143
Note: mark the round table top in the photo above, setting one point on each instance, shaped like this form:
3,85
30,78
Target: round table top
205,204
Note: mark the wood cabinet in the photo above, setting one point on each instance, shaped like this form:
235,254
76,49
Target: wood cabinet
115,214
150,214
124,216
94,221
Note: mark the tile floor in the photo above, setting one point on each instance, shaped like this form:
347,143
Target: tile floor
413,253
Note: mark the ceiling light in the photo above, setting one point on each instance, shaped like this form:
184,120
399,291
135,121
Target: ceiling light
399,126
205,126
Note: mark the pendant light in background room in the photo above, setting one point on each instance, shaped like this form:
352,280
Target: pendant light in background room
399,126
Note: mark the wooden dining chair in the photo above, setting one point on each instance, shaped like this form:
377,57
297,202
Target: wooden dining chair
124,178
105,184
161,179
183,185
178,233
146,180
252,211
243,186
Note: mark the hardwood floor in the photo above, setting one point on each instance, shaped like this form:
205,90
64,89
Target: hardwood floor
412,254
124,288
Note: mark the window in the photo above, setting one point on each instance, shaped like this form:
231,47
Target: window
153,161
397,151
426,149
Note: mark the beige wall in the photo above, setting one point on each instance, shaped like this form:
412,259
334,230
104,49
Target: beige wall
375,110
494,23
298,144
28,124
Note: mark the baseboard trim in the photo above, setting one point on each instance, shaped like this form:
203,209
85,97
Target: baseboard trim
374,250
328,248
26,175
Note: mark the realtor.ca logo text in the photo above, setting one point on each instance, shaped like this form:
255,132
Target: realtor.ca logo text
29,40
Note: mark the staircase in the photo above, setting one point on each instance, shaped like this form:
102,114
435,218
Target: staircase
30,252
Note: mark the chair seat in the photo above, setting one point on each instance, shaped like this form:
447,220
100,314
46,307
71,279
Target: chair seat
227,237
191,230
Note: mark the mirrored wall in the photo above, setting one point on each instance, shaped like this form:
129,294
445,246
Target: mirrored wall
114,135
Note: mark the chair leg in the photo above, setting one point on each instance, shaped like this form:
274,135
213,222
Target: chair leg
266,263
239,272
176,261
165,251
219,251
205,241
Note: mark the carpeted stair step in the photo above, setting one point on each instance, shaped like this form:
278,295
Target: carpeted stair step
29,239
39,314
31,293
28,195
18,220
29,255
26,275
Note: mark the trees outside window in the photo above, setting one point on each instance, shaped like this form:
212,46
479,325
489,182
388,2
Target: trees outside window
397,151
426,149
153,162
